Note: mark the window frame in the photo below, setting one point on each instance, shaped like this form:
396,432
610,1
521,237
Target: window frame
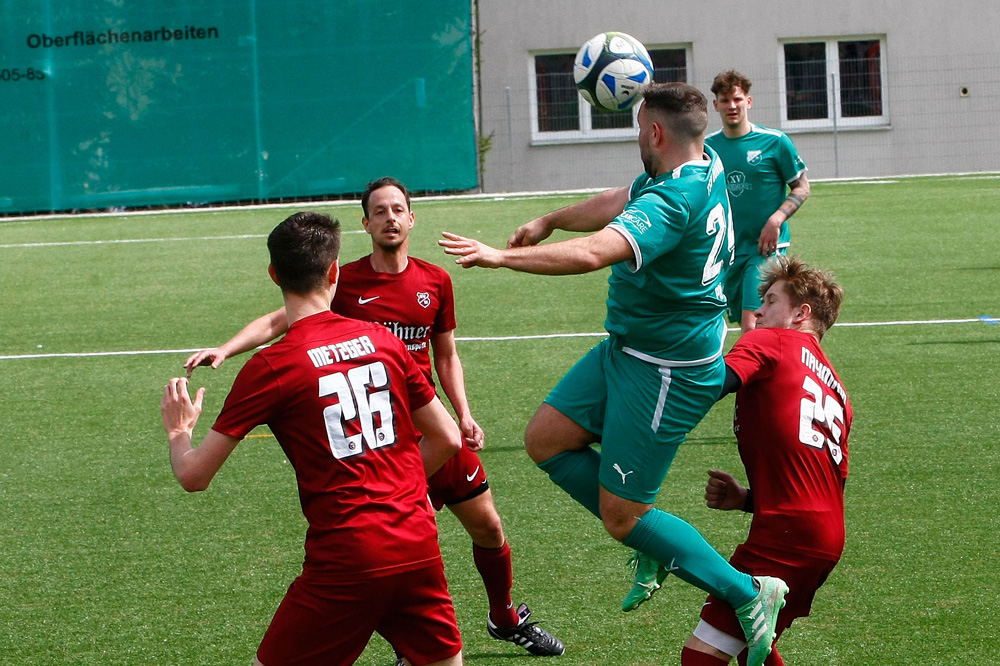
835,119
586,133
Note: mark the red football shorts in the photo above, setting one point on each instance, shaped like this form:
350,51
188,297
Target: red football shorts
327,625
458,480
804,575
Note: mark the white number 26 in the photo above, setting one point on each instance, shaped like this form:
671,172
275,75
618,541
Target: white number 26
357,404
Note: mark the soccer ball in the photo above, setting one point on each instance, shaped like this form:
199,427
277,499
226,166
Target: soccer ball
611,69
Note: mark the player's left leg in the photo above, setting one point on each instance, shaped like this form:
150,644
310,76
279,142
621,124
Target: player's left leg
672,541
462,487
491,554
677,544
649,411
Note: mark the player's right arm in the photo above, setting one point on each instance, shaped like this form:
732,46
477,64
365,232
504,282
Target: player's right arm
591,214
194,467
441,437
258,332
572,256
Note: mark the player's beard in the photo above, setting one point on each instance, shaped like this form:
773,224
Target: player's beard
647,156
394,246
647,164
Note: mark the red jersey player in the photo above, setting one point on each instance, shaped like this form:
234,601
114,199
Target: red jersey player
414,300
792,422
343,399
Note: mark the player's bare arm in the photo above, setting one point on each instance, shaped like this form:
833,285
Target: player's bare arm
724,492
591,214
452,377
797,195
570,257
258,332
441,437
193,467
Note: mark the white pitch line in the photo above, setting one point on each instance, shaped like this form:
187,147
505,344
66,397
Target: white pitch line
506,338
129,240
148,240
914,322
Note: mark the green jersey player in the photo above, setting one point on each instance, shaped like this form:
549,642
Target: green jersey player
667,239
761,166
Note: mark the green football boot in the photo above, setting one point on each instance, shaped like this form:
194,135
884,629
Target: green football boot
648,575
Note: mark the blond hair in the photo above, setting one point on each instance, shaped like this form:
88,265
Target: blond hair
805,285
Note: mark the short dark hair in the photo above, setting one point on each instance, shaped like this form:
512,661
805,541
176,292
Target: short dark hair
379,183
805,285
728,81
683,109
302,248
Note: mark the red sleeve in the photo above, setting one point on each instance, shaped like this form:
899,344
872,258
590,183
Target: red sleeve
755,355
445,319
250,402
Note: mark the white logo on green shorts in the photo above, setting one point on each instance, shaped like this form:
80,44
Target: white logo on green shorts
624,474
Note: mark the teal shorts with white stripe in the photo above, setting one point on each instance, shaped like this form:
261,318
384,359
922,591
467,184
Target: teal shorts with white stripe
640,411
742,282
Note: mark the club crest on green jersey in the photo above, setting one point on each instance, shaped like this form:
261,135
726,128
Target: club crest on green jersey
736,183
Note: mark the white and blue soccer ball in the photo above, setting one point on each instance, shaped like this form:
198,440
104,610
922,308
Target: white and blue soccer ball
611,70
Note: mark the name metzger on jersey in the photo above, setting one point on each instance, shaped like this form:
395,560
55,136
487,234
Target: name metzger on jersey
333,353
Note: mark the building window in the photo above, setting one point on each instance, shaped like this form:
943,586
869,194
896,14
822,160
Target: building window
559,114
833,83
557,100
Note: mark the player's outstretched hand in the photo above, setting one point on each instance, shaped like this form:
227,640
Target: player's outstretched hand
723,491
179,413
470,252
211,357
472,434
532,233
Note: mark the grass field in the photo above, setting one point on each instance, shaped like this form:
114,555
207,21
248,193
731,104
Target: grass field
105,560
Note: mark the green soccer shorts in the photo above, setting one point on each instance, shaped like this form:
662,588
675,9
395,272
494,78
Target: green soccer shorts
741,282
640,411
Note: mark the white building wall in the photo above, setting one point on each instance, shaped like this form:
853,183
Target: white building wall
932,50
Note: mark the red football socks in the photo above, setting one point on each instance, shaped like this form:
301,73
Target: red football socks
498,577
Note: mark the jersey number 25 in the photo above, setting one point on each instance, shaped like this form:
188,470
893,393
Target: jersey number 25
823,410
